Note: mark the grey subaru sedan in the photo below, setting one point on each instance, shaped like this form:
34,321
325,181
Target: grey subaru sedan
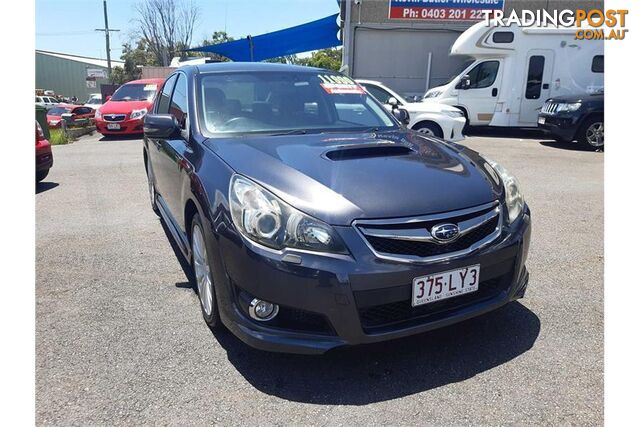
312,219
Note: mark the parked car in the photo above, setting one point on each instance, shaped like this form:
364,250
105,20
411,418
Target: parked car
71,113
312,219
94,101
570,118
44,156
47,102
430,118
124,111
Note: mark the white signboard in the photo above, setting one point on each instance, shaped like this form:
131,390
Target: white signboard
98,73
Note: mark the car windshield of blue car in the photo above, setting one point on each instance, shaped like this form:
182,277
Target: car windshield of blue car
135,92
287,102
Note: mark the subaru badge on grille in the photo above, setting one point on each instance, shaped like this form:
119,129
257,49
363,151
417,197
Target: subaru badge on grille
445,233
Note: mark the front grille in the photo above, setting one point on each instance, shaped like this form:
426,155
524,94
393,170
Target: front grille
411,240
427,249
401,314
114,117
549,107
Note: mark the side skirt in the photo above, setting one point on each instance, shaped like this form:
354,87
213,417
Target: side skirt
178,236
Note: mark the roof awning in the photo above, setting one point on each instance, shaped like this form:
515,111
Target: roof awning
314,35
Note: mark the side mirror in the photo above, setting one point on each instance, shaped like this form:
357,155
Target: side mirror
160,126
393,102
402,115
464,83
107,98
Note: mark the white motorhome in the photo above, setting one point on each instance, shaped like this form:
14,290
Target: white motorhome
515,69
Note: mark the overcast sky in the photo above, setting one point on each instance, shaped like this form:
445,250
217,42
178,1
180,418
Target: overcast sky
67,26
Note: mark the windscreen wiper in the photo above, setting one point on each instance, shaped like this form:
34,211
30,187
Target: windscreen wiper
290,132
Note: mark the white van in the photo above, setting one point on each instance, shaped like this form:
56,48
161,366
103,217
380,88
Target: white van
515,70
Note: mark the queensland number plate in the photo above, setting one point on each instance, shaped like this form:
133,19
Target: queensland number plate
113,126
541,120
447,284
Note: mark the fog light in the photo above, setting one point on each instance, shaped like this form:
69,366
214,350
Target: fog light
262,310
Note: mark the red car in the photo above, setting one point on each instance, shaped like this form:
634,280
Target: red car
75,112
44,156
124,112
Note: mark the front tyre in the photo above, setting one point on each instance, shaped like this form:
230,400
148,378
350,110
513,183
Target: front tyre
41,175
153,195
203,275
591,134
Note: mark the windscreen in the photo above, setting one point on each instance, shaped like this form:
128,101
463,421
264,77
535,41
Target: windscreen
135,92
275,102
58,111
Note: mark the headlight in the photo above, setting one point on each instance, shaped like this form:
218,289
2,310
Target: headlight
136,114
432,94
454,114
513,197
568,107
98,114
263,218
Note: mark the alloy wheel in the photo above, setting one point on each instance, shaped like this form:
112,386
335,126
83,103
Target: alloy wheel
595,134
426,131
202,270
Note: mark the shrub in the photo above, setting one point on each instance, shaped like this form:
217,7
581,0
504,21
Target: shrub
58,137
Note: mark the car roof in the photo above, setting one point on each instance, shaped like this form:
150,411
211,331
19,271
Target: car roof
375,82
146,81
248,66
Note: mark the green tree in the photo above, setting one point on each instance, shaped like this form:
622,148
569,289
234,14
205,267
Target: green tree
216,38
287,59
330,58
134,57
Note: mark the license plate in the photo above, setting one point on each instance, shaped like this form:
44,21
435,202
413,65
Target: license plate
447,284
541,120
113,126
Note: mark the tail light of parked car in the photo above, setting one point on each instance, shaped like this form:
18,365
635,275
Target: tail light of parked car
39,133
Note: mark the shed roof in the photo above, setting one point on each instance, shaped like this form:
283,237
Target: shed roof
83,59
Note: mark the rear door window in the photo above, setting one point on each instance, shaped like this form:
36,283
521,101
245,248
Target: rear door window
534,77
165,95
178,107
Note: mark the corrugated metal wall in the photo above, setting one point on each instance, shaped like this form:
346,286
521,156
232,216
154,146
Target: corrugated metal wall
65,77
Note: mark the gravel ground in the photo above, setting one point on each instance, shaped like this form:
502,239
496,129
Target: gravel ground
120,339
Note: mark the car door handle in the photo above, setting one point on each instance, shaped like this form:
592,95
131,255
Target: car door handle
494,91
545,86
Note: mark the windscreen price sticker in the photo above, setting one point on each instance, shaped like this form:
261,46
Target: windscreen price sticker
335,85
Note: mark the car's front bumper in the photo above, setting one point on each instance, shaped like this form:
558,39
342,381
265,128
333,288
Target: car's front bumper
44,156
455,133
560,126
344,291
126,127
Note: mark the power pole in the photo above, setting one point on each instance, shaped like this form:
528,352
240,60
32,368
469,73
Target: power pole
106,34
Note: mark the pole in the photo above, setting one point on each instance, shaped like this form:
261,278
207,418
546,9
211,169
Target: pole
250,47
346,40
106,33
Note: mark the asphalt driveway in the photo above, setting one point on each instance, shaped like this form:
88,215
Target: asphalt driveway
120,339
